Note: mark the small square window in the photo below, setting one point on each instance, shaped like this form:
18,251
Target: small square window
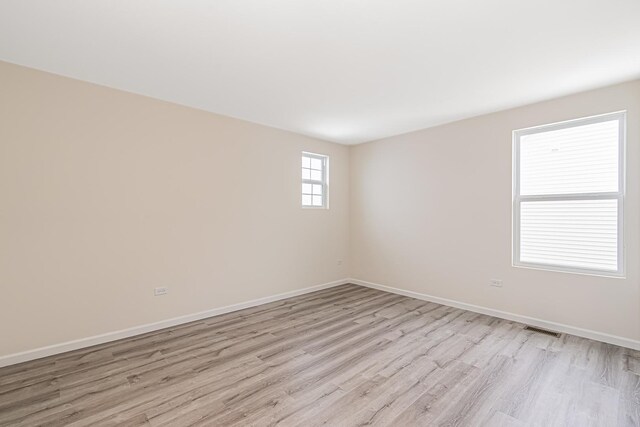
314,180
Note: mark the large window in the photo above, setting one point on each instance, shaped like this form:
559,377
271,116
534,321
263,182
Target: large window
314,180
569,194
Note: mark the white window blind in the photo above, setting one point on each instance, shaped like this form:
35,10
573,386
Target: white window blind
568,195
314,180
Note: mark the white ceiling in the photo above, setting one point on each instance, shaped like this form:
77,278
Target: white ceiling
342,70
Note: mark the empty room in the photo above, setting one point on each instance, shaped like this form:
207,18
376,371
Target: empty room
320,213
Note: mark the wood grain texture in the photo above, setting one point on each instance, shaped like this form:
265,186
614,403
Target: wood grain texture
346,356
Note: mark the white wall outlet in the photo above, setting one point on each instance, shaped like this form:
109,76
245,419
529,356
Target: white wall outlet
496,283
160,291
339,262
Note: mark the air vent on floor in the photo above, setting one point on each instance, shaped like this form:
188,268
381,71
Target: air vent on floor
542,331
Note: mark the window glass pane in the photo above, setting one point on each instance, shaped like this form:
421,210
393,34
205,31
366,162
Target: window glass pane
316,175
570,233
317,200
316,163
317,189
306,188
306,200
579,159
306,174
306,162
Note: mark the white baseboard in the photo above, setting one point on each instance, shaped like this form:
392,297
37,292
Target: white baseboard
545,324
51,350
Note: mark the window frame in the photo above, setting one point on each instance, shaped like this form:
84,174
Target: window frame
619,196
324,180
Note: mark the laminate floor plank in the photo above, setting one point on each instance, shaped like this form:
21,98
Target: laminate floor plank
344,356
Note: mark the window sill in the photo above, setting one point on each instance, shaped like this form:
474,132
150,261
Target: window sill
570,270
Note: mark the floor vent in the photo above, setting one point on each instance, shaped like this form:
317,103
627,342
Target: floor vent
542,331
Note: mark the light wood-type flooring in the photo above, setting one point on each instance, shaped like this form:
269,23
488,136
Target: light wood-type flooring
345,356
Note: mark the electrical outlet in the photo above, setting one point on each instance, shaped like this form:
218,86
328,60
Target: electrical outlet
339,262
496,283
160,291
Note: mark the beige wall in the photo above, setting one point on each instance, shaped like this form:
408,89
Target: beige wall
105,195
431,213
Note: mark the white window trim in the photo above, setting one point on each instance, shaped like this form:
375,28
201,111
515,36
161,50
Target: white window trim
325,180
619,195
